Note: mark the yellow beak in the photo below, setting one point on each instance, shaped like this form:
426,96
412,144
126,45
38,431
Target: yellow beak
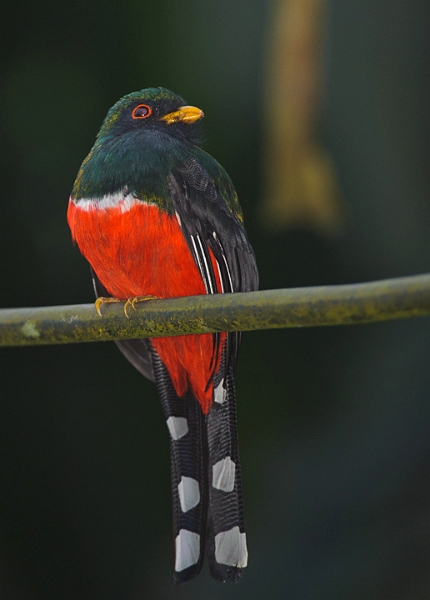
186,114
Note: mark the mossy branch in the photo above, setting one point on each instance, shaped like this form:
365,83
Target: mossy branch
389,299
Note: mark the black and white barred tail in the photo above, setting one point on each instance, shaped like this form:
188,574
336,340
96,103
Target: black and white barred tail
206,480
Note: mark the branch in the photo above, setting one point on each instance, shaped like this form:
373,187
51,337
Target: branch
389,299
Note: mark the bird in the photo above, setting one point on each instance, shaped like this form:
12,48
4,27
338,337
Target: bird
158,217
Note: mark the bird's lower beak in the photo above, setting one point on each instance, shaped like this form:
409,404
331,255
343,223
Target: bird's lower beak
186,114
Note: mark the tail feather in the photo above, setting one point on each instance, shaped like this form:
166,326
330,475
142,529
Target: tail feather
186,425
226,539
206,480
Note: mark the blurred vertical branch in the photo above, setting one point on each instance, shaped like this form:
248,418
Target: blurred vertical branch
299,182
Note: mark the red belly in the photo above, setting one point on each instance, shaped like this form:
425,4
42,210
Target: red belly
142,252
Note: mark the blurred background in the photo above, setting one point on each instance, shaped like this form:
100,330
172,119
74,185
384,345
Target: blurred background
319,111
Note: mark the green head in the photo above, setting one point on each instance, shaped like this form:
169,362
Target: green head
153,109
145,136
142,137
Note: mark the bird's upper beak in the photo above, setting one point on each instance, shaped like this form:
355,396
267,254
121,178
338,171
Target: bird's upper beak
186,114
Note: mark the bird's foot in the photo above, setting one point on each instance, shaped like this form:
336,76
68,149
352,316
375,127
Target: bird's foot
102,300
133,301
130,302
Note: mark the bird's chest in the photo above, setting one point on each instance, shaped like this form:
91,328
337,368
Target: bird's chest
135,249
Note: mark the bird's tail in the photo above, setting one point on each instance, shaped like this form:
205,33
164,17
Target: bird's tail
226,540
186,424
206,480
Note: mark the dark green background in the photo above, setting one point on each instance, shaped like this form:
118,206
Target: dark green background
334,423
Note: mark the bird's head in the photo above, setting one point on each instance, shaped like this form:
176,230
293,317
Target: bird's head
153,109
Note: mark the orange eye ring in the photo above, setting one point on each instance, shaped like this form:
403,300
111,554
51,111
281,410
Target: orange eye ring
141,111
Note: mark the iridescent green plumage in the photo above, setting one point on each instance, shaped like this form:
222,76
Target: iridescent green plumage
126,154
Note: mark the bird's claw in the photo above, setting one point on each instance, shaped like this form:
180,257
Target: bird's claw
130,302
133,301
103,300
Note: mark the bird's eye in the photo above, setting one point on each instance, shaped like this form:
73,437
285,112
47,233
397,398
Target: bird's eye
142,111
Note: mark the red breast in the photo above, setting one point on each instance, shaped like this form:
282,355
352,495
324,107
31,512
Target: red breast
139,250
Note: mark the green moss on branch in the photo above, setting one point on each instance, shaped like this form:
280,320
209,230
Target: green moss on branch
389,299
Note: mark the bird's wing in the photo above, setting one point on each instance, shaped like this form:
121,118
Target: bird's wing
210,227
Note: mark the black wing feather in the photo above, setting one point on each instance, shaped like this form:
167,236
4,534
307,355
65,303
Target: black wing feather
204,216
